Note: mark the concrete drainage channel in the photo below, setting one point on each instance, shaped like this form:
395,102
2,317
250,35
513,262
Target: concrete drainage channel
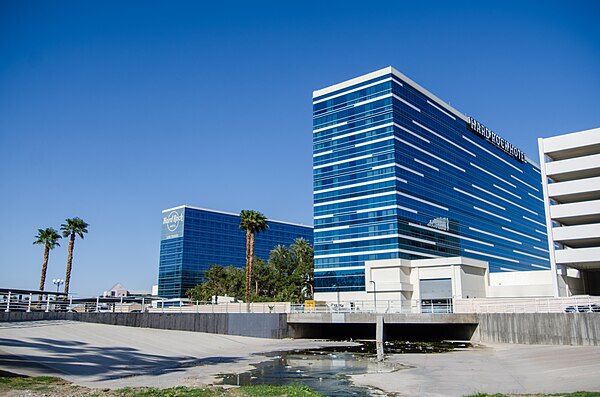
524,328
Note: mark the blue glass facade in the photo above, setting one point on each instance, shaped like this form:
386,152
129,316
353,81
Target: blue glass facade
400,174
194,239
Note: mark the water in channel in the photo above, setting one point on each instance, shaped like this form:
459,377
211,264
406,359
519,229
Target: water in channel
327,370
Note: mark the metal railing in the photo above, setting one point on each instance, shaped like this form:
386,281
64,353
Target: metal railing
528,305
399,307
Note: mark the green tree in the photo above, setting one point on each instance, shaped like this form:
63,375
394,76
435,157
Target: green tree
252,222
72,228
219,281
303,255
49,238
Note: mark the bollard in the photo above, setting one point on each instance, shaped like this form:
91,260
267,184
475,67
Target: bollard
47,303
379,337
70,304
29,303
8,303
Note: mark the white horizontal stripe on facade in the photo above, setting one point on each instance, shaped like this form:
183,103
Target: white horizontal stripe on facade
333,189
371,100
444,138
348,240
412,133
432,229
535,197
323,216
491,174
441,110
361,131
410,170
330,126
418,253
531,255
540,249
387,138
536,222
426,165
379,237
508,270
423,201
399,166
333,269
495,235
491,213
356,253
354,198
540,232
493,154
406,103
329,229
506,191
491,256
388,207
429,154
323,153
541,267
504,199
479,198
520,234
524,183
353,90
378,167
343,161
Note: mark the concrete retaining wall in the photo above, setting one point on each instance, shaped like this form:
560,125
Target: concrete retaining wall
540,328
261,325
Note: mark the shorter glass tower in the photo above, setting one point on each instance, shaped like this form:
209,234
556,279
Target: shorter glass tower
193,239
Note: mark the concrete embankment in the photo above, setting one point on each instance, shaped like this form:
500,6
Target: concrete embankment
525,328
540,328
259,325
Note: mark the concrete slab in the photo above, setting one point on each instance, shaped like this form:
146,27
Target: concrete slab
501,368
98,355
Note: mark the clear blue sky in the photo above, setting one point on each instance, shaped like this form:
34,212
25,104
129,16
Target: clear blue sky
115,110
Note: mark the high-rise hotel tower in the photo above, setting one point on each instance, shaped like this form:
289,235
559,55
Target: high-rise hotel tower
398,173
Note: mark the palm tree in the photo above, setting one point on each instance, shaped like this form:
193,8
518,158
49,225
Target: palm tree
49,237
252,222
73,227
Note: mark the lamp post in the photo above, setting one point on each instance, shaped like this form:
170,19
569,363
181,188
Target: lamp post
374,295
337,289
58,282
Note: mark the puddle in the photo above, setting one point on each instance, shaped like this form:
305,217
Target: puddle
326,370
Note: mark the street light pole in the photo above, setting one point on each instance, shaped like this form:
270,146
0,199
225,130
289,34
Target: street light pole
374,295
337,289
58,282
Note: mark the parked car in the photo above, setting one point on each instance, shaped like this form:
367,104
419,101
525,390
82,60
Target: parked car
583,308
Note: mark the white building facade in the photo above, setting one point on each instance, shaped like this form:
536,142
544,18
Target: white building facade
570,166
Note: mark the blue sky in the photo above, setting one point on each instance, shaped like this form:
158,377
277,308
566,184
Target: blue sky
113,111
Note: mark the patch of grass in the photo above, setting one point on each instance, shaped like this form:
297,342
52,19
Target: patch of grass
180,391
276,391
243,391
43,384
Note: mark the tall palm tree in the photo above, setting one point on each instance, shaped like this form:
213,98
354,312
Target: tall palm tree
49,237
73,227
252,222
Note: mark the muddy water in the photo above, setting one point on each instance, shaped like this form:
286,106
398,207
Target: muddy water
327,370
